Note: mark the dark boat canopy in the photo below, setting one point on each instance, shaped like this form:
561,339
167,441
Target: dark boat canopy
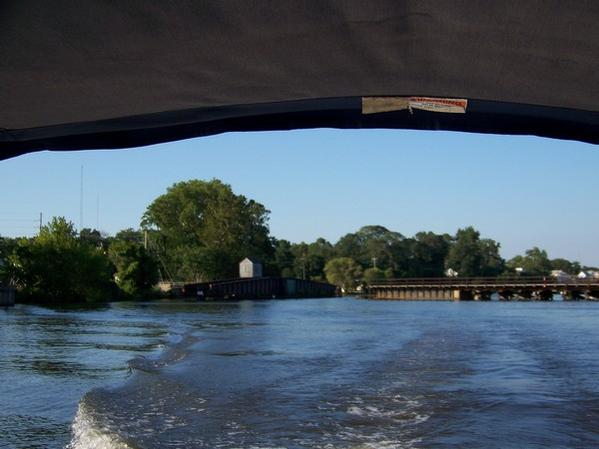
104,74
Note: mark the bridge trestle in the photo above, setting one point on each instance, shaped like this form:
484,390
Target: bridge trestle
482,289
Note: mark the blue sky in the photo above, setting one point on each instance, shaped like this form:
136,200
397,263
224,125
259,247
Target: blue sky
521,191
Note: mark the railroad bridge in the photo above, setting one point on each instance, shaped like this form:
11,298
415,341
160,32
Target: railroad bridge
457,288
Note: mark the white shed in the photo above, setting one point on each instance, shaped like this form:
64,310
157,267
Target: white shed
250,268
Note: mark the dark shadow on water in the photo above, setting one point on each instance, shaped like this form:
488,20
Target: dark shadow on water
73,307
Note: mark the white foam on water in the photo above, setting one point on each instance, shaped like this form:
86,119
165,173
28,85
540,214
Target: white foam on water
385,444
394,414
88,436
374,441
408,414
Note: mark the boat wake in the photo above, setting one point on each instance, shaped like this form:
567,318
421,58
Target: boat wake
87,434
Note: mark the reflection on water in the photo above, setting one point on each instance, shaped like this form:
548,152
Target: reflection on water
334,373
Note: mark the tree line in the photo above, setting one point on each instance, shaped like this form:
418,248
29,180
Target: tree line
200,230
63,266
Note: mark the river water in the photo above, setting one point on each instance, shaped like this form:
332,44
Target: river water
319,373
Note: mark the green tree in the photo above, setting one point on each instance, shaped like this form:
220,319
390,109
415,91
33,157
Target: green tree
373,274
57,267
350,245
492,264
343,272
93,237
284,258
427,253
130,235
136,271
310,259
534,263
471,256
7,246
202,230
566,266
514,266
464,253
375,245
319,252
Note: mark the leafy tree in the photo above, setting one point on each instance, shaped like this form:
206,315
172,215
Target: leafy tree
375,245
514,263
7,246
566,266
471,256
284,258
92,237
130,235
383,246
343,272
318,253
310,259
427,253
203,229
464,253
492,264
136,270
373,274
350,245
534,262
57,267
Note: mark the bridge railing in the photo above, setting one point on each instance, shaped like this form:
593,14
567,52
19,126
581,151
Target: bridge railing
570,281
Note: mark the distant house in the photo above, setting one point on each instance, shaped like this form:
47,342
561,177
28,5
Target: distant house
250,268
560,275
451,273
588,274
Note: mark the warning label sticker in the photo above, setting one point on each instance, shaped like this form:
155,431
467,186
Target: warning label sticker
374,105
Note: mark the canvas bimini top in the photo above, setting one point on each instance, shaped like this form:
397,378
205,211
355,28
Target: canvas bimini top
101,74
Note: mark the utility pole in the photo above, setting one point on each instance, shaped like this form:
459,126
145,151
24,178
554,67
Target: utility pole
146,239
40,222
374,262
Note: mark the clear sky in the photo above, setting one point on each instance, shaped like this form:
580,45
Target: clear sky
521,191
